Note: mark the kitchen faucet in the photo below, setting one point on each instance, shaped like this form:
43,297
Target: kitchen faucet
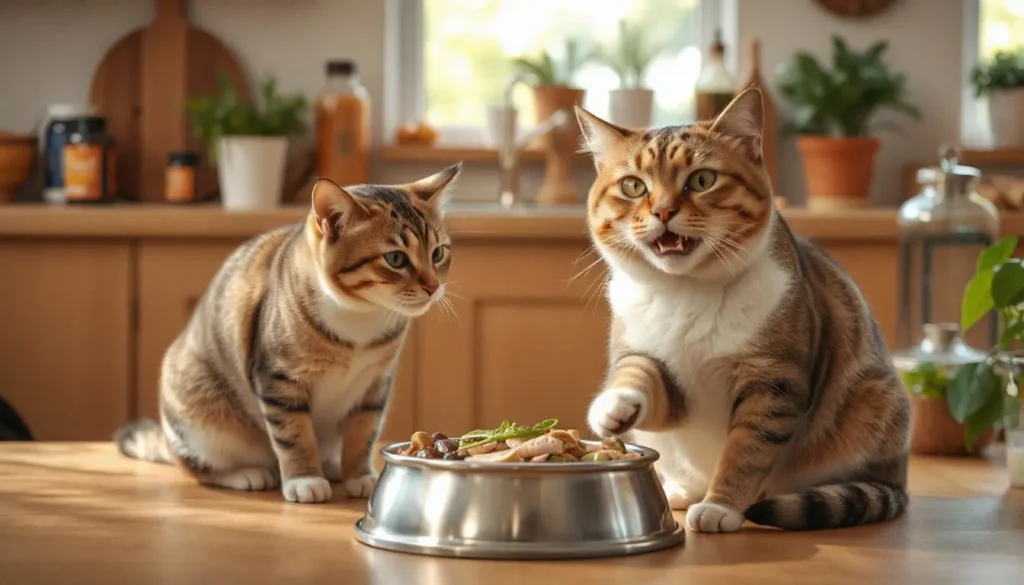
509,149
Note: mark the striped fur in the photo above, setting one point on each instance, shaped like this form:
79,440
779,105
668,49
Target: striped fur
750,361
283,374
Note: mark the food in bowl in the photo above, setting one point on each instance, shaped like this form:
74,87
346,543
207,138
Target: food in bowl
512,443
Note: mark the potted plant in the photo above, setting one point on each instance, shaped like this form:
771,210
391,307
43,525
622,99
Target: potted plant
553,89
1002,81
630,105
980,395
833,113
248,141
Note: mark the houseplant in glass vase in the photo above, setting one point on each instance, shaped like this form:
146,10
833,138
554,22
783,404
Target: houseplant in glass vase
631,104
1001,80
833,112
985,394
248,141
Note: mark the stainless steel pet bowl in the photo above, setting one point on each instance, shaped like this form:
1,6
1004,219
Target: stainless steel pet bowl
518,510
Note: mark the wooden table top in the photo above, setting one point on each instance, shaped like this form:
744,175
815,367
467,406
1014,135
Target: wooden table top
80,513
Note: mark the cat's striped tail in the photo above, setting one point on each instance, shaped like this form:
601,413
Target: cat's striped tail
143,439
831,506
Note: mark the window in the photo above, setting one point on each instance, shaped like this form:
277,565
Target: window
991,26
465,48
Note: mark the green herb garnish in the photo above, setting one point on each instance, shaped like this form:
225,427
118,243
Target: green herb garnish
506,430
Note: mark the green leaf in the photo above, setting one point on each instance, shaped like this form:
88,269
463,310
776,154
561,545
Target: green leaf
1011,333
997,253
968,389
977,299
988,414
1008,285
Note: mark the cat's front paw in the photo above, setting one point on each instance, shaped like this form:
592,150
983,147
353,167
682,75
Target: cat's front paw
360,487
616,410
711,517
306,490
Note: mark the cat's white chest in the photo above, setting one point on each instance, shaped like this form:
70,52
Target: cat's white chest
339,389
697,329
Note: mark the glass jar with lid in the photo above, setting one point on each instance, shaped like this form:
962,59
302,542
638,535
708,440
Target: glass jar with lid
942,230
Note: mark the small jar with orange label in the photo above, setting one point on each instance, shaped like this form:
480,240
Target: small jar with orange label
86,161
180,177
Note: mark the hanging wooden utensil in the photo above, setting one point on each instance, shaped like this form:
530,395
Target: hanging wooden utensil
770,132
142,86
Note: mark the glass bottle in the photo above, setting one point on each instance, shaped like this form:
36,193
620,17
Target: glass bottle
942,230
343,126
715,87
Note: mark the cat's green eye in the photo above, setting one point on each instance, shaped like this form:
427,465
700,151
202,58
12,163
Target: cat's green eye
633,187
437,255
396,259
701,180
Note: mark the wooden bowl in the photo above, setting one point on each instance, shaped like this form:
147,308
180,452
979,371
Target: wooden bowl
17,153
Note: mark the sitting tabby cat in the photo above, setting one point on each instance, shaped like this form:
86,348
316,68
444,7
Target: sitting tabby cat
741,353
284,371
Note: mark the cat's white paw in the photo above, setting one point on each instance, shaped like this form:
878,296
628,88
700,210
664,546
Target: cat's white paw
360,487
679,498
709,517
616,410
332,469
306,490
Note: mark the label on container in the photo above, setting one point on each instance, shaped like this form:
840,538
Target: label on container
180,184
83,172
343,148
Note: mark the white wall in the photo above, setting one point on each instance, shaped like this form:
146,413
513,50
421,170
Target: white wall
924,42
50,48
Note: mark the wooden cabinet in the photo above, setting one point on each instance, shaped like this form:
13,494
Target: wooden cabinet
90,300
65,342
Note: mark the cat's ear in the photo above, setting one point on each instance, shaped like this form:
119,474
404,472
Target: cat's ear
599,137
437,188
332,205
743,120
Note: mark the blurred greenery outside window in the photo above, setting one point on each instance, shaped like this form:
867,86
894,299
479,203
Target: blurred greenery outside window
1000,27
468,46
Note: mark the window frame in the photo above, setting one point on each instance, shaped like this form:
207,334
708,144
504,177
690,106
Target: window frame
404,90
971,132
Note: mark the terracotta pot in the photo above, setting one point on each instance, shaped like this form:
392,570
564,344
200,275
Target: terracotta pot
17,153
838,170
561,144
934,431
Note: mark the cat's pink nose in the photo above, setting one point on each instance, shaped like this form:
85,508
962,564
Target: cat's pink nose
666,214
430,287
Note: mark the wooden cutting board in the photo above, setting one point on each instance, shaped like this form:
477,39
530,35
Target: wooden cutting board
142,86
770,133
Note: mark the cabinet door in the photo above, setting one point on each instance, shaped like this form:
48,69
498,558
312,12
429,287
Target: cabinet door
65,306
527,340
172,278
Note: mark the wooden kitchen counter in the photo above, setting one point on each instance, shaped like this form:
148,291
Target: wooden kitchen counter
468,221
79,513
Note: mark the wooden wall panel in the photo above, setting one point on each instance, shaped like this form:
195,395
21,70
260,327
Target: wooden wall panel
65,309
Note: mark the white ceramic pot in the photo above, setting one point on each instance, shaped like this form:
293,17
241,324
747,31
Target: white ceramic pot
251,171
1006,117
631,107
